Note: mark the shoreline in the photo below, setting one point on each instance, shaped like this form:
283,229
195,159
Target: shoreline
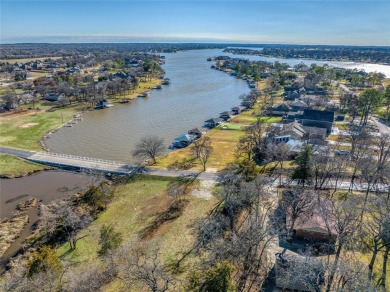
311,59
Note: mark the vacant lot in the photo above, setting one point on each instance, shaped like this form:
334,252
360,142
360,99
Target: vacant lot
135,205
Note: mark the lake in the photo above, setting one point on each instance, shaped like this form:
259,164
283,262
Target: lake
196,94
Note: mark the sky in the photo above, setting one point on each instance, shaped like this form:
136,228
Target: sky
337,22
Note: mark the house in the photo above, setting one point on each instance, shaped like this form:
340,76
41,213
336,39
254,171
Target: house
120,74
226,115
291,93
294,130
37,66
195,132
252,85
278,109
292,116
73,70
211,123
294,272
183,141
53,96
248,102
238,109
103,104
294,145
25,67
301,132
299,105
315,232
315,90
320,119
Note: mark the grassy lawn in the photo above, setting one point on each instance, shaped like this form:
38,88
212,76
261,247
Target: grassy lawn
135,205
229,126
224,145
12,166
24,130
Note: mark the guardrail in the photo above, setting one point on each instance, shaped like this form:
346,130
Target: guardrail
82,158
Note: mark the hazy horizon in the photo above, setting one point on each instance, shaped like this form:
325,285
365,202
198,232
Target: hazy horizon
315,22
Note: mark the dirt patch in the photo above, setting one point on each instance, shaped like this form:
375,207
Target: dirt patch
204,190
28,125
174,211
155,205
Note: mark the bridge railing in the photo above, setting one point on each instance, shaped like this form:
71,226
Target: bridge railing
82,158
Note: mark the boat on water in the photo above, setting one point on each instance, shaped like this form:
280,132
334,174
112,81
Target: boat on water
158,87
125,100
143,94
166,81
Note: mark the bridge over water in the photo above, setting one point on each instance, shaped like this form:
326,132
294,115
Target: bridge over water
79,162
74,162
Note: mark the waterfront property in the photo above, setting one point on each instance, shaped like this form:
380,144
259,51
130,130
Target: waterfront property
238,109
53,96
212,123
143,94
183,140
103,104
195,132
226,116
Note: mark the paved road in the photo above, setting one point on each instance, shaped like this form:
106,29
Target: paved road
20,153
178,173
62,160
383,129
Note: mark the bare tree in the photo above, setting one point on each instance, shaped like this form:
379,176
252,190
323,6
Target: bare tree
343,216
149,147
61,221
142,267
199,144
296,203
63,100
375,230
87,279
204,154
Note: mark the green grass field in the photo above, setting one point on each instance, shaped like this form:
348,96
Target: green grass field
135,205
25,130
12,166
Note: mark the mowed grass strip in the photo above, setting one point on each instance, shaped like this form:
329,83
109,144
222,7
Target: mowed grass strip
11,166
25,130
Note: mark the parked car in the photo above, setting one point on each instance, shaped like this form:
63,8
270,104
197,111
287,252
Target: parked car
343,152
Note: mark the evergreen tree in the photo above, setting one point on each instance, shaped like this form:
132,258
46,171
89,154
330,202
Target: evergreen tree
219,278
109,239
44,260
303,171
